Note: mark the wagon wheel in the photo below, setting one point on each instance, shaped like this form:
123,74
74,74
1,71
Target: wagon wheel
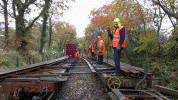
114,83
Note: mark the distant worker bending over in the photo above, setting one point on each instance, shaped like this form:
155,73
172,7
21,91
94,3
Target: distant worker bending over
100,50
118,43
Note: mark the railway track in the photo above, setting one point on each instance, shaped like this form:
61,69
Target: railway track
33,81
42,80
52,80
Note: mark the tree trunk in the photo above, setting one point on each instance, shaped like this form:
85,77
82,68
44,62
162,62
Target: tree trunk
6,24
43,34
50,33
21,43
19,9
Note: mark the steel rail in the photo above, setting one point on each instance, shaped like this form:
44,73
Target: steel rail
70,73
89,65
33,79
166,90
7,73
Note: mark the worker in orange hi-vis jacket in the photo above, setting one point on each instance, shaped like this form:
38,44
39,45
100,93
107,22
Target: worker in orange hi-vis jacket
118,43
77,55
93,49
100,50
89,50
83,55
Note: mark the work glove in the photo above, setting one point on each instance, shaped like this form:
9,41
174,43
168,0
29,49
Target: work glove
100,52
118,48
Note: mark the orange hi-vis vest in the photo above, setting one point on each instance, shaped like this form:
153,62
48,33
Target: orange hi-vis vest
101,47
116,37
92,47
77,54
89,46
89,51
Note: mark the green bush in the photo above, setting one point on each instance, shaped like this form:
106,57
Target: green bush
8,59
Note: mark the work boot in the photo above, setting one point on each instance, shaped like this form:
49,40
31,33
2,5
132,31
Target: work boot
114,74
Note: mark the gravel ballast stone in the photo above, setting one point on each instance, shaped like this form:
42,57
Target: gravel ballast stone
83,87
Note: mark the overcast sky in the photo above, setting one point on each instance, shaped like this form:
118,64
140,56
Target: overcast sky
79,12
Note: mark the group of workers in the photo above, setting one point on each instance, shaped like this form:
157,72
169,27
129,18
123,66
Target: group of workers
97,49
77,54
118,37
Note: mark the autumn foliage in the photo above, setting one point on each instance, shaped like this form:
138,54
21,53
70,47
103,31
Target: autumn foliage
146,43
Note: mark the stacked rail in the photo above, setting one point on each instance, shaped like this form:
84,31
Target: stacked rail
36,78
149,89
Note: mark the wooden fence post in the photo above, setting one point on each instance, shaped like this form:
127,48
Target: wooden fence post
29,60
33,60
55,56
17,61
42,58
47,58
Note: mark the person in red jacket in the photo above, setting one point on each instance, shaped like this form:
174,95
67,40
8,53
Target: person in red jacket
118,43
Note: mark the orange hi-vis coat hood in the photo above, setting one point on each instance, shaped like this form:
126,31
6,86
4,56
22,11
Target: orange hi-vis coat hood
101,47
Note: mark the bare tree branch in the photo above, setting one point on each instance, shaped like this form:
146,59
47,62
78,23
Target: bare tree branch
165,10
31,24
13,6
